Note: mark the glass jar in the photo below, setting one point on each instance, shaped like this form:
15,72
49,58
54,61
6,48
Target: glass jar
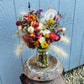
42,57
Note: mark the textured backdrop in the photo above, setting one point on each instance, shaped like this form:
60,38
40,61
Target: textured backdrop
10,64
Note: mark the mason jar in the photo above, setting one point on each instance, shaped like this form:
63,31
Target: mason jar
42,57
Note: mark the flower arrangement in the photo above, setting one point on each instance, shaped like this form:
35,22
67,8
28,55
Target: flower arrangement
39,30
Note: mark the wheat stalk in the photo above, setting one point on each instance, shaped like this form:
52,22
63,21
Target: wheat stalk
19,48
58,50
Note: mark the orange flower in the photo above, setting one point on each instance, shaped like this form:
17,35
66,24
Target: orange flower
33,23
33,41
31,18
32,35
37,42
36,46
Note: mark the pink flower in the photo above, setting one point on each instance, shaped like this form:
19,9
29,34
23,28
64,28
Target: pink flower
57,18
60,15
57,37
50,41
26,15
41,10
26,36
25,21
59,29
52,35
39,35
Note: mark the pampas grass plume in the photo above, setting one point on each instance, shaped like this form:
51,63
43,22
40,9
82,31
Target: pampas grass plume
64,39
23,13
58,50
19,48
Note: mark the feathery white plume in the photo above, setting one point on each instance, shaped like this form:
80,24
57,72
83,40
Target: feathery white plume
23,13
58,50
64,39
19,48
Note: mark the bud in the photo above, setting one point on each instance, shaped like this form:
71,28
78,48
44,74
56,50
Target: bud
63,29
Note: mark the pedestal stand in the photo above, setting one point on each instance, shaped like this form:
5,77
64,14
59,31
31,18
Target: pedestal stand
50,75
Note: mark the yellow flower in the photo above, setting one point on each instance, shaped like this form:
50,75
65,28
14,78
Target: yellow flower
40,64
46,35
44,44
50,21
20,28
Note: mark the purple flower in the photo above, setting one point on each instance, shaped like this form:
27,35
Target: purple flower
57,18
57,37
25,21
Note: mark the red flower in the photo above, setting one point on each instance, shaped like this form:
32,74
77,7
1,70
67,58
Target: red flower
57,38
36,26
41,10
35,13
18,23
60,15
52,35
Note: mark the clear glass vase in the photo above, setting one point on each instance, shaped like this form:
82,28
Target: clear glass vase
42,57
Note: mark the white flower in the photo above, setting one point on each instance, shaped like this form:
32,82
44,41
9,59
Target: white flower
63,29
41,31
40,26
42,20
30,29
42,39
46,31
51,13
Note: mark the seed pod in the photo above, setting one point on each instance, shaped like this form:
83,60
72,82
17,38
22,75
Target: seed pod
63,29
59,29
